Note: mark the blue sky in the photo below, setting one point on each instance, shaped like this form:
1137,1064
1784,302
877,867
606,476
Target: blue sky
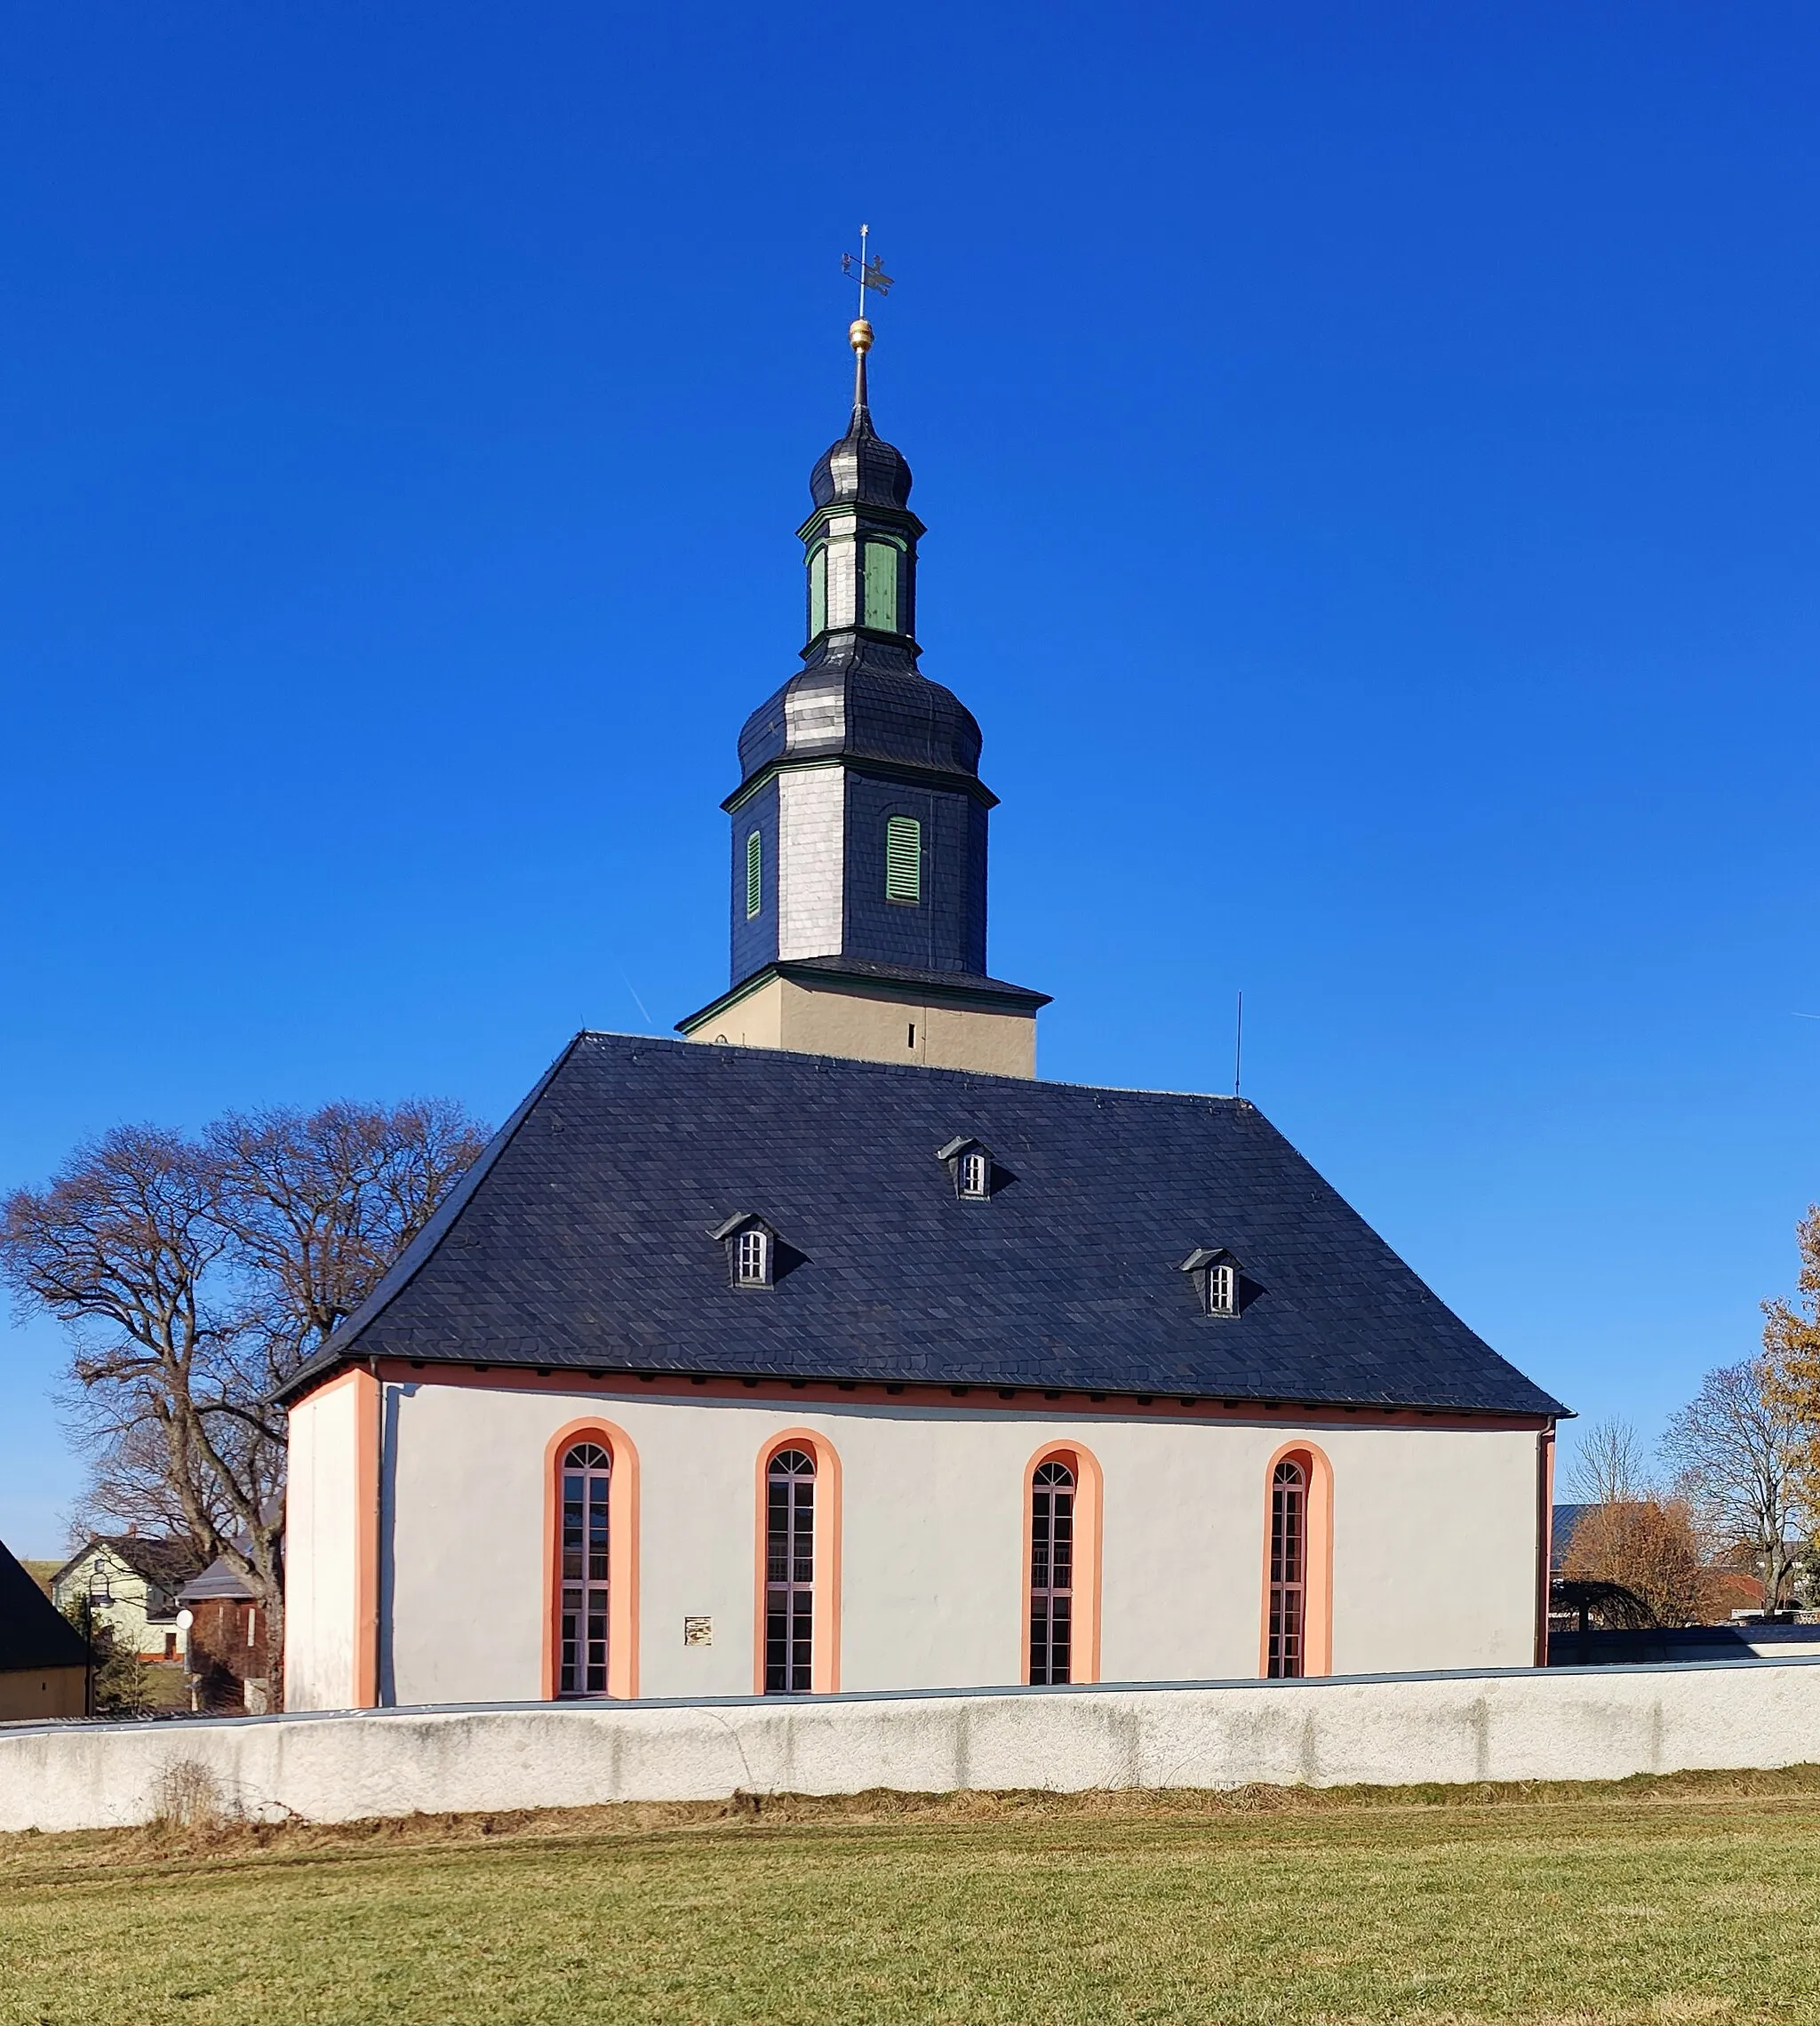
1369,457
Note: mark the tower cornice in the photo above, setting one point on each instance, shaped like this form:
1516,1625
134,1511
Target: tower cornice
941,778
899,520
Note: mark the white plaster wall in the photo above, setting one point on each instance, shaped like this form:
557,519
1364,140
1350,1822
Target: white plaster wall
1536,1724
811,830
322,1548
843,554
127,1616
1433,1559
1426,1524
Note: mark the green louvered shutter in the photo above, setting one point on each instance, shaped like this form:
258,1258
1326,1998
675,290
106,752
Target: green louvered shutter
903,858
881,586
754,874
817,593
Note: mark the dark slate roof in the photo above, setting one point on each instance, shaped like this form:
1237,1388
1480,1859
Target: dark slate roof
862,467
220,1578
862,700
33,1632
1566,1524
160,1559
581,1238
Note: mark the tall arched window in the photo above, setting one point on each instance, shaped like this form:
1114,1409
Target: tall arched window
1052,1574
582,1630
1289,1570
789,1573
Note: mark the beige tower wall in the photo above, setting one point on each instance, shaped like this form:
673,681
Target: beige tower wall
875,1027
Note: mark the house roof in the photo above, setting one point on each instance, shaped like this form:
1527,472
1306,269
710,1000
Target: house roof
218,1579
160,1559
1565,1523
33,1632
582,1238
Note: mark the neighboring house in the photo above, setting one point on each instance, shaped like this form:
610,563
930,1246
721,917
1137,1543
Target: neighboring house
225,1649
43,1659
830,1349
132,1580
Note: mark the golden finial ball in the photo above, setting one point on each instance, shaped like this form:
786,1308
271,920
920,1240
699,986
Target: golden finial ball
859,334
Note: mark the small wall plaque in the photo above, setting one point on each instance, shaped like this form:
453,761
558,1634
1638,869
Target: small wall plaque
698,1631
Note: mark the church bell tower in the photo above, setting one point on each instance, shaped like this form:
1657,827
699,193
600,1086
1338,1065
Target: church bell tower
859,823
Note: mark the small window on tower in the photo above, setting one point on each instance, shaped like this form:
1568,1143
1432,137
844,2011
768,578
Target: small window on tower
1222,1291
881,586
754,874
818,592
975,1174
903,858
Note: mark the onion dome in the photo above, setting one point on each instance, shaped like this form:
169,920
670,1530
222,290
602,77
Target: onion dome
862,467
841,707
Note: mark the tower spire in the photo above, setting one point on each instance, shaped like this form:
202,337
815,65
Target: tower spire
859,823
860,337
870,274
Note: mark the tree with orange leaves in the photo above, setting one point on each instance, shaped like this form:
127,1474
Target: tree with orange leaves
1792,1359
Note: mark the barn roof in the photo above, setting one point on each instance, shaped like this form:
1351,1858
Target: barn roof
583,1238
33,1634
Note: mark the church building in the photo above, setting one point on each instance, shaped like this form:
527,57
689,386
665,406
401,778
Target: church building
829,1348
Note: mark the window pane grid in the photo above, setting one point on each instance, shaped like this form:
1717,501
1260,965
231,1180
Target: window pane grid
753,1267
585,1546
1051,1574
789,1573
1288,1562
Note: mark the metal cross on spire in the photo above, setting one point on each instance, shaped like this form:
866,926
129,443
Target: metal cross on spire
871,273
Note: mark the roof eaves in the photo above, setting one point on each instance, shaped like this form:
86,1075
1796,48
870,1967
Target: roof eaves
415,1256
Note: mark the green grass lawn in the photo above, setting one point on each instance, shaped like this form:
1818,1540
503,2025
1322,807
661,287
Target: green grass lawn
1684,1899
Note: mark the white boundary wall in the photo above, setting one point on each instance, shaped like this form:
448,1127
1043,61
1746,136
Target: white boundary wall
1551,1724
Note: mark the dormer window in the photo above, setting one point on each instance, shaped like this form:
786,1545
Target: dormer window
1215,1275
751,1250
753,1263
971,1166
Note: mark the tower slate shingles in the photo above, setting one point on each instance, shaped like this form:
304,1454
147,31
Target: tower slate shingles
860,735
582,1240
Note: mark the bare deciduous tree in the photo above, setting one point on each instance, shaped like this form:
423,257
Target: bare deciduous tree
319,1205
196,1274
1607,1467
1792,1359
1736,1454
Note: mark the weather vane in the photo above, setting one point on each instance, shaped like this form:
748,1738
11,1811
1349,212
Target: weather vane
871,273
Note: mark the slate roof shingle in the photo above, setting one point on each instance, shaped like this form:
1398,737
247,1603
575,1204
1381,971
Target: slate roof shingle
580,1239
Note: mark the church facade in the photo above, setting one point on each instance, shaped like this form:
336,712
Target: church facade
828,1348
